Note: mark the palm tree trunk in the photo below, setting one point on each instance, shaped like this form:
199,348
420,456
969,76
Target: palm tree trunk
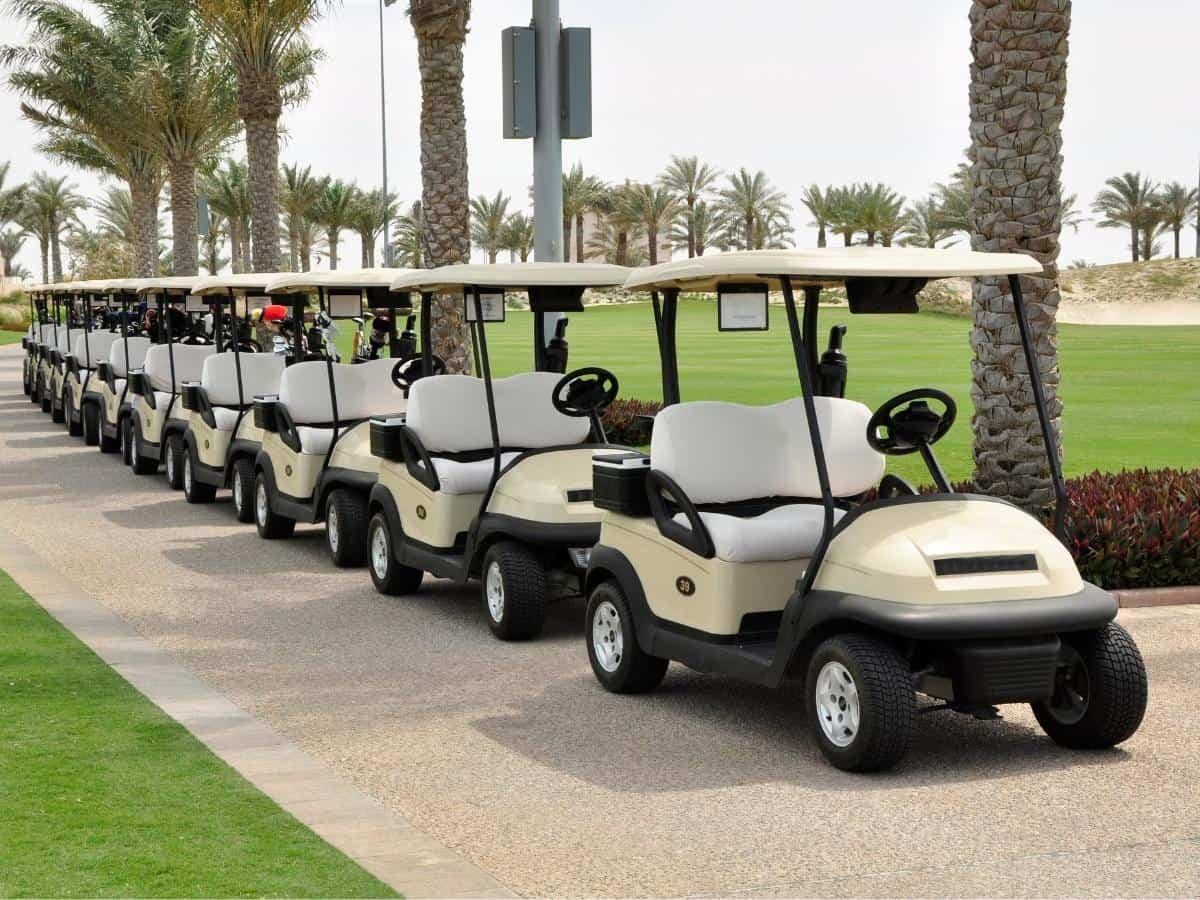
1135,242
293,247
444,197
492,253
847,238
820,234
246,264
235,245
368,251
749,230
622,255
56,249
579,238
259,105
333,236
144,198
1177,231
1016,160
44,244
691,227
652,242
305,256
182,175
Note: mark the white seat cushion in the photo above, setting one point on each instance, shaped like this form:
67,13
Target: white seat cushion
91,347
226,418
467,477
363,390
314,440
138,347
261,373
188,364
785,532
723,452
119,384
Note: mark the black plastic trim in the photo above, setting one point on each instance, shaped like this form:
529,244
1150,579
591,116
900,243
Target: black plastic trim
694,538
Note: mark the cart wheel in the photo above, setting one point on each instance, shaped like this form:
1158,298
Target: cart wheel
1099,690
58,412
243,489
141,465
388,576
126,429
514,591
34,394
618,661
74,422
26,385
173,453
91,424
346,528
860,702
193,490
271,525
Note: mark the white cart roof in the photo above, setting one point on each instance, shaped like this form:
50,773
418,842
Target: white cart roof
829,265
511,276
302,282
245,283
181,284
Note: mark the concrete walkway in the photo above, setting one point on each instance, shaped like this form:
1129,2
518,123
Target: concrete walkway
512,757
380,841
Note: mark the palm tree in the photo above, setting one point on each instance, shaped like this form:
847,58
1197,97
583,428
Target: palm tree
843,211
705,225
689,180
271,61
228,192
334,212
308,232
1016,138
298,195
1069,213
1176,204
11,199
750,200
487,223
57,205
818,204
115,223
188,110
441,29
518,236
11,243
617,244
1127,203
78,80
211,243
409,242
924,225
877,209
653,207
369,213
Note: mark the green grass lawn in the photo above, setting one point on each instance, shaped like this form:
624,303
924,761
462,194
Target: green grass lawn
10,337
103,795
1131,394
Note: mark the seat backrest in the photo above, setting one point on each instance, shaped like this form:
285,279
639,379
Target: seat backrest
65,338
189,362
260,375
725,452
47,335
91,347
363,390
138,347
449,413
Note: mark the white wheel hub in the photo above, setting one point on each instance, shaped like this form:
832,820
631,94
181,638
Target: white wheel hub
237,492
379,553
838,708
261,507
494,590
170,463
187,474
608,642
331,528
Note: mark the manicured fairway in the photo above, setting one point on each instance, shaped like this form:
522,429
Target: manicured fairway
104,795
1132,394
10,337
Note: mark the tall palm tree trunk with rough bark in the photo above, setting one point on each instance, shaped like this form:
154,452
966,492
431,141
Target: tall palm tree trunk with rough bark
184,236
260,103
143,195
441,29
56,249
1017,93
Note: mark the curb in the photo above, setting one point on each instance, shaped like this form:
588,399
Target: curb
382,842
1171,596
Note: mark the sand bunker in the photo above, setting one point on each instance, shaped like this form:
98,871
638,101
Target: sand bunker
1144,313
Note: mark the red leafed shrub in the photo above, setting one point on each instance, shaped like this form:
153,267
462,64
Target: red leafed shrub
622,425
1137,528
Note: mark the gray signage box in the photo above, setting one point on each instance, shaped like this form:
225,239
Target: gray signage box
575,70
520,82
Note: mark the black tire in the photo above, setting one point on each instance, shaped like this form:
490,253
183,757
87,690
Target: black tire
887,703
388,576
271,526
35,395
44,395
242,484
619,663
520,605
126,432
1100,690
141,465
74,422
346,528
91,424
26,384
173,453
195,491
58,411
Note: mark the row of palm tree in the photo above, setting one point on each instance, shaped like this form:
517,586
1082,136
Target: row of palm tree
1149,210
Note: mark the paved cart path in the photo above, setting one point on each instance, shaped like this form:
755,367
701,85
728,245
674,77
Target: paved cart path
513,756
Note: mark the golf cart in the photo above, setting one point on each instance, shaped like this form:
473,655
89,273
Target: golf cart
154,429
315,462
487,477
755,544
32,340
88,347
126,354
222,438
62,298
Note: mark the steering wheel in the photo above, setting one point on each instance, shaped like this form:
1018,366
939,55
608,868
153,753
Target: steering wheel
916,425
585,392
409,369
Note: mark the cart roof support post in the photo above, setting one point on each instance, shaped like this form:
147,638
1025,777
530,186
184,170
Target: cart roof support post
1061,500
426,332
236,337
665,321
814,432
479,332
812,297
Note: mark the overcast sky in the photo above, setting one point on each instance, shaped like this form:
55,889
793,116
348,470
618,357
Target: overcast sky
808,91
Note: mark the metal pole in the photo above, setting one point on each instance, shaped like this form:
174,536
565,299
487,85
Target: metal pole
547,146
387,248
